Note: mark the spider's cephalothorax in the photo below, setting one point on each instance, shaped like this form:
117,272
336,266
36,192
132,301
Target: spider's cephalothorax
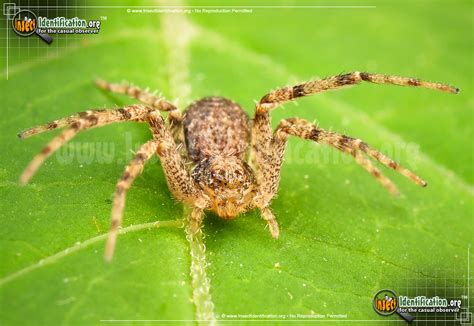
217,134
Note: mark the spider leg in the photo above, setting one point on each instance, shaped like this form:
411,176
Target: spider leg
195,221
143,96
266,156
175,117
306,130
92,118
272,223
369,167
52,146
179,181
178,178
81,121
134,168
278,96
262,131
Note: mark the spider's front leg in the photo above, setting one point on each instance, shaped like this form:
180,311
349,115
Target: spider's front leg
285,94
179,181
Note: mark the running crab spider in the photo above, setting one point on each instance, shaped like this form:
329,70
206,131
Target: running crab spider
218,134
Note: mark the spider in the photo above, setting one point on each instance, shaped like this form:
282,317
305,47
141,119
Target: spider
236,161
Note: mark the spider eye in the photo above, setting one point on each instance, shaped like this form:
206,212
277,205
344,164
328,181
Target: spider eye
223,173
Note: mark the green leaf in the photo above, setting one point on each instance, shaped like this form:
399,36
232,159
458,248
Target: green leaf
343,237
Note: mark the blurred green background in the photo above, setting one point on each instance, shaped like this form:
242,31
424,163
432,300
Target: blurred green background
343,237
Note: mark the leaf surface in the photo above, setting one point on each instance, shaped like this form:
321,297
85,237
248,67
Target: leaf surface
343,237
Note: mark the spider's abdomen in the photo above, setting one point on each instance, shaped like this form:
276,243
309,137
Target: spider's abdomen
215,125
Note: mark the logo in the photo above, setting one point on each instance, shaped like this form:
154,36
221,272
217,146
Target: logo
385,302
24,23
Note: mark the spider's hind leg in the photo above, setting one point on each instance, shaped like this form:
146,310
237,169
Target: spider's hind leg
135,92
175,116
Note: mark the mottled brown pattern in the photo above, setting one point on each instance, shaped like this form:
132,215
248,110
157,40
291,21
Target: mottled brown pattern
312,87
202,152
215,125
52,125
